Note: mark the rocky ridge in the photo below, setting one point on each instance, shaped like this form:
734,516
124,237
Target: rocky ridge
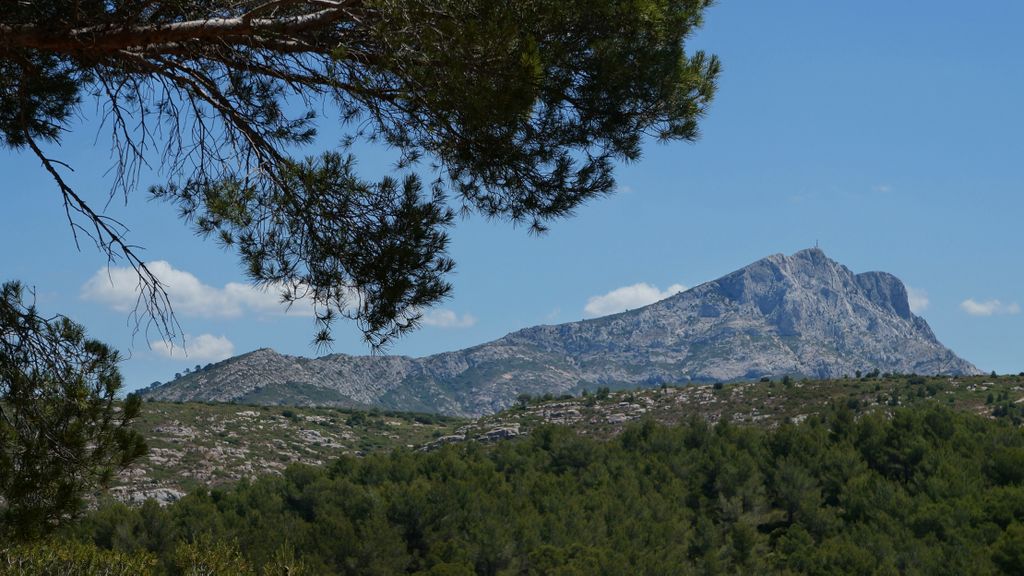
206,445
803,315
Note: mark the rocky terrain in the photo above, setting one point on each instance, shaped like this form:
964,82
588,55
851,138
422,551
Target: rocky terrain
205,445
804,315
196,444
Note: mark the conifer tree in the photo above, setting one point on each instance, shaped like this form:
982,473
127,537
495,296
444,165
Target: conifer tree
63,433
518,110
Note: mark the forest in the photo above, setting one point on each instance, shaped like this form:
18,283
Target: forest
918,490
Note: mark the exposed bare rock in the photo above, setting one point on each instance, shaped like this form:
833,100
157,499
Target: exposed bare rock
496,434
162,495
802,315
450,439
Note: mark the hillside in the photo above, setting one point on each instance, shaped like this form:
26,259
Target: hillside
802,315
195,444
917,488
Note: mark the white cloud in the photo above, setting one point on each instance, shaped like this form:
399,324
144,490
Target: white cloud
918,299
203,347
989,307
447,319
628,297
119,288
883,188
553,315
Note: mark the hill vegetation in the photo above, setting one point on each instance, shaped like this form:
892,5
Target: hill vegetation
877,474
195,445
923,489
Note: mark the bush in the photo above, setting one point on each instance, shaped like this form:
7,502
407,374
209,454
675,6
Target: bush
357,419
524,400
208,557
426,419
66,558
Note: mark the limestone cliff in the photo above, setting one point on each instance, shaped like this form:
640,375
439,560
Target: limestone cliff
802,315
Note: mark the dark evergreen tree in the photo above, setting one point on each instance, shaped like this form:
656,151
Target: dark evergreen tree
522,108
62,431
918,490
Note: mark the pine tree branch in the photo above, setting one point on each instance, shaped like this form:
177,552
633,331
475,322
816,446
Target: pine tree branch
111,38
153,297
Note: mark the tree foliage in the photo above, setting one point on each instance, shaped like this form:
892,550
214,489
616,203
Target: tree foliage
922,490
62,431
519,109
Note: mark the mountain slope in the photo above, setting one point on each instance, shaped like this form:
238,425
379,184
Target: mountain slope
801,315
219,444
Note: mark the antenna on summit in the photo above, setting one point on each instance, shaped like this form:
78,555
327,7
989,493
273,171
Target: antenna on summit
815,243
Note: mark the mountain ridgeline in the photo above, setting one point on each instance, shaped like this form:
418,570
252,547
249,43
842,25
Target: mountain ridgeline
801,315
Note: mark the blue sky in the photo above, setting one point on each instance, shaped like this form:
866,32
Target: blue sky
888,132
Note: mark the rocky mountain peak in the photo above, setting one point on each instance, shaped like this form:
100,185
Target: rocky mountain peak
803,315
263,353
809,278
887,291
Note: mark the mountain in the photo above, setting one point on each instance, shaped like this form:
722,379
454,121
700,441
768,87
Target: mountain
802,315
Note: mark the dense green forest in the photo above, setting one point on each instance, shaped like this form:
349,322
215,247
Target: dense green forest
921,490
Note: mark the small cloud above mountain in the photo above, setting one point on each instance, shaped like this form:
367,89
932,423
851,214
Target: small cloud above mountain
203,347
989,308
444,318
918,299
628,298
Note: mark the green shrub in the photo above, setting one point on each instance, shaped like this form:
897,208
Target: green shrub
208,557
913,490
47,558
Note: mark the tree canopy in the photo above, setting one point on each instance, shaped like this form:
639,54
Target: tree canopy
515,110
918,490
62,432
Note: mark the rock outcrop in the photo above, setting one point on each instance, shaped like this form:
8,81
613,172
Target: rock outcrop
801,315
